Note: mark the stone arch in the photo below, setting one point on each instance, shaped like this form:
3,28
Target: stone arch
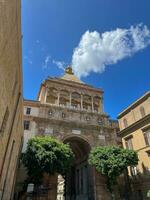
79,180
64,98
76,100
96,103
87,102
52,96
81,137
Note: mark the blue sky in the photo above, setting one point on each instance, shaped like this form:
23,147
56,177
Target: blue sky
52,29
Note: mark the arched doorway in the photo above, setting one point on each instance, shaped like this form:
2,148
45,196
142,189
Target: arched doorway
79,180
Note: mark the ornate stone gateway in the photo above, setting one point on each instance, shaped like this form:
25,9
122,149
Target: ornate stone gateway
72,111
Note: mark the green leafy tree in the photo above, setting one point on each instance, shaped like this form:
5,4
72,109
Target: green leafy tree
46,155
111,161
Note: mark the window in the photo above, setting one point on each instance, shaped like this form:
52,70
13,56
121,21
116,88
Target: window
128,143
142,111
125,123
26,125
147,137
28,111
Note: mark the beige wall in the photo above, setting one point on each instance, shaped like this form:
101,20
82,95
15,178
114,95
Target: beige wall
34,110
11,129
137,125
140,147
29,134
134,114
29,117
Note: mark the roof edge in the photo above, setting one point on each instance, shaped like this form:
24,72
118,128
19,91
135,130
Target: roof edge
134,104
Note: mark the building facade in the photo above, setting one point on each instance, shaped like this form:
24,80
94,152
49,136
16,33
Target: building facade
72,111
134,125
11,103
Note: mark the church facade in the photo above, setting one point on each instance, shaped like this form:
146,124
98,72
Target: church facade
72,111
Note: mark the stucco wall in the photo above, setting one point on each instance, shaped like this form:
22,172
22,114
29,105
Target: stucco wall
134,114
11,126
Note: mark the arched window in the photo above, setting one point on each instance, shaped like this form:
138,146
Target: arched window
52,96
64,98
76,100
96,103
87,102
125,122
142,111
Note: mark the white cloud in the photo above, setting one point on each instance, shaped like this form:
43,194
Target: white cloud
95,51
60,64
46,61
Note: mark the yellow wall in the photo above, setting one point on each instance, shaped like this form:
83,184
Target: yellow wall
134,114
139,145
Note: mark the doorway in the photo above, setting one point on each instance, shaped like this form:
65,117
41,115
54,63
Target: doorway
79,179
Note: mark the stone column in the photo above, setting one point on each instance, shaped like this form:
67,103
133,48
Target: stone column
92,104
58,98
70,98
81,101
101,105
46,92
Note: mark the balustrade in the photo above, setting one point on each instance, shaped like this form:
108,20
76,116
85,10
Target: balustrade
73,100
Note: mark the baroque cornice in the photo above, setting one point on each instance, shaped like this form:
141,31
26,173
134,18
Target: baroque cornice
33,103
73,84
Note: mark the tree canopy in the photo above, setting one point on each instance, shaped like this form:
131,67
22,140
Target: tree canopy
111,161
46,154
